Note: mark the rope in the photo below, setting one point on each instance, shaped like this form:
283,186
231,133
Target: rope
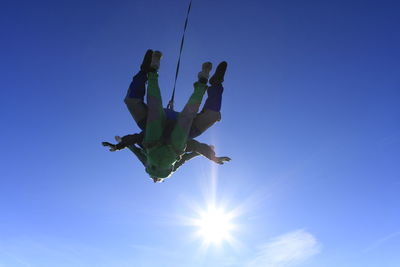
171,101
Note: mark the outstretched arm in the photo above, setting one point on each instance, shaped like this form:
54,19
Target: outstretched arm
130,142
185,157
126,141
194,149
205,150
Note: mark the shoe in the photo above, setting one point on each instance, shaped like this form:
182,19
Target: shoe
219,74
155,61
205,72
146,61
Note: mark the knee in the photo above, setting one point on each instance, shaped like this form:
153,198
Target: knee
136,107
131,102
212,116
194,132
203,121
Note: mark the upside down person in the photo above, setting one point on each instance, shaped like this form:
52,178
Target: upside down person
167,137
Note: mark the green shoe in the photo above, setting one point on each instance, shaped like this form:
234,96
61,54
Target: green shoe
205,72
155,61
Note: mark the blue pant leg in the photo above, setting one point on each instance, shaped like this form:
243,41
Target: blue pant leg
210,113
137,88
134,99
214,98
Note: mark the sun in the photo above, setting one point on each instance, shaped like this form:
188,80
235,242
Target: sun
214,225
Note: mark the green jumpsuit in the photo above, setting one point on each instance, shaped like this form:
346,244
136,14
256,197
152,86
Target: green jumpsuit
162,154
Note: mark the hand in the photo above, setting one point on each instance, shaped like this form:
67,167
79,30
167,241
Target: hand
111,146
221,160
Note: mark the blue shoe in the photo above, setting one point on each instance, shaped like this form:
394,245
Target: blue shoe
146,61
219,74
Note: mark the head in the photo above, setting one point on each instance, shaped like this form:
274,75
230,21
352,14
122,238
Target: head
160,162
158,172
157,180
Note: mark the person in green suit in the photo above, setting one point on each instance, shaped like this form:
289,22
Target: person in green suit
167,137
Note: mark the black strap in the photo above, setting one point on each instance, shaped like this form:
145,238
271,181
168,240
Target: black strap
171,102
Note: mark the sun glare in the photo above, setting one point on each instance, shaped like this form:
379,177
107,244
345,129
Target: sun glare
214,225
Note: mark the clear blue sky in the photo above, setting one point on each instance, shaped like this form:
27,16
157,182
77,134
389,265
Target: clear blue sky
310,118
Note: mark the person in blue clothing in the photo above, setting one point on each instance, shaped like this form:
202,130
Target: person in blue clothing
167,137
